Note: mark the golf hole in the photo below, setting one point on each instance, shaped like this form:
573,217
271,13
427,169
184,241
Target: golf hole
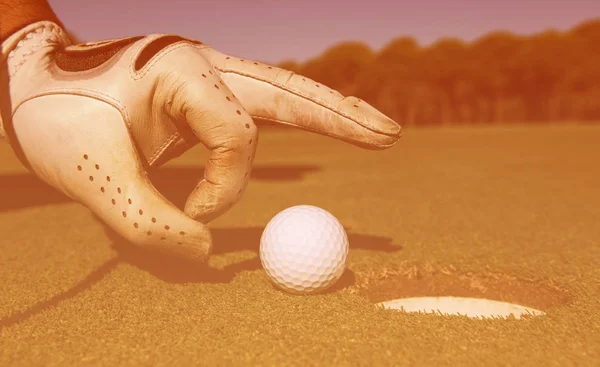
447,291
461,306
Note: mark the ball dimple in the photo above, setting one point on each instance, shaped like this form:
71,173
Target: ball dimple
304,249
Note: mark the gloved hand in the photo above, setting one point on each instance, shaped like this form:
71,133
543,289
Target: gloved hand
91,119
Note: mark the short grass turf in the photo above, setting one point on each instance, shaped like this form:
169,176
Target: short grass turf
508,213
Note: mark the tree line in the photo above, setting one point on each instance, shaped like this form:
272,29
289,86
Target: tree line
499,78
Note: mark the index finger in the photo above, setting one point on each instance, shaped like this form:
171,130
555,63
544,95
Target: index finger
276,95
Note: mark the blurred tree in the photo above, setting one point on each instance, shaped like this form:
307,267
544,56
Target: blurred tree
539,65
446,66
494,75
291,65
339,67
391,79
500,77
579,87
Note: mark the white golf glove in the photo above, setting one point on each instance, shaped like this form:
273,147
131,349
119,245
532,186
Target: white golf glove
91,119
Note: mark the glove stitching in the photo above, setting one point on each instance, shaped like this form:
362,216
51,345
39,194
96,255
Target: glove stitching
164,146
341,137
83,93
140,74
299,94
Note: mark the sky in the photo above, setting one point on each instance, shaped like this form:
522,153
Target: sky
274,31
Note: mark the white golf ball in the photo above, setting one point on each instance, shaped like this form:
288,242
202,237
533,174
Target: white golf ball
304,249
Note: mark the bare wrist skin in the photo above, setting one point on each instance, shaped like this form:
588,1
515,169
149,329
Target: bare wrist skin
16,14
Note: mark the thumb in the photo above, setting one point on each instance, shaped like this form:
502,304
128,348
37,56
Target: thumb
97,165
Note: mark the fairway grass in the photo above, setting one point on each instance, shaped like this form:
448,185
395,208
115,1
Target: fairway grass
506,213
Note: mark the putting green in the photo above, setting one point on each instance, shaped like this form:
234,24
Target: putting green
502,213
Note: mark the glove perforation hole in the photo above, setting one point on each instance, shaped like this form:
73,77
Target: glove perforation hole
124,214
229,99
114,202
141,212
108,178
203,75
216,86
79,168
102,189
119,190
247,126
91,178
129,201
97,167
167,228
85,156
136,225
153,220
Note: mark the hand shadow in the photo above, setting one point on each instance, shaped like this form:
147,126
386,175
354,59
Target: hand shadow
175,184
25,190
226,240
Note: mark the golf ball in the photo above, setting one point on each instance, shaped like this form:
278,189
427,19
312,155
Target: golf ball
304,249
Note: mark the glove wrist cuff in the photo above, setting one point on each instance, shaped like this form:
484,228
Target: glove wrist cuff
17,50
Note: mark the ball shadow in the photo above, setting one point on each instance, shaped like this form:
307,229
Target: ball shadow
227,240
347,279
